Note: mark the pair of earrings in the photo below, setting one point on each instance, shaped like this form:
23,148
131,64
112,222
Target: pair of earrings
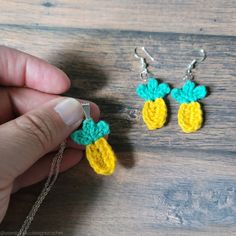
154,111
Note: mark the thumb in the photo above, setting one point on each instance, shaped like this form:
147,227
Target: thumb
24,140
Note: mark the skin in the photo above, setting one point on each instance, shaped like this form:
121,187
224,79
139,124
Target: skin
28,83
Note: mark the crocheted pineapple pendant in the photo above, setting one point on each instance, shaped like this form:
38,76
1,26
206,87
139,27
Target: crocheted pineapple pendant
154,111
190,112
98,151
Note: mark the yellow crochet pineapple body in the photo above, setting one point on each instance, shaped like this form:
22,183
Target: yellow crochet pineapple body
190,113
190,117
101,157
154,111
98,151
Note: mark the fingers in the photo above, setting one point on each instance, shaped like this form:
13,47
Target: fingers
18,101
41,168
24,140
23,70
6,112
24,100
4,199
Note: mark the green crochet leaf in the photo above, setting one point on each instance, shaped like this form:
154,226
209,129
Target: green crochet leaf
189,92
90,132
152,90
200,92
188,87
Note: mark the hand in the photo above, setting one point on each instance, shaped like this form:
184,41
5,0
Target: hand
34,120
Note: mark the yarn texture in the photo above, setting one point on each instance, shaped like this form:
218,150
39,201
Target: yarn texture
101,157
190,112
154,111
98,152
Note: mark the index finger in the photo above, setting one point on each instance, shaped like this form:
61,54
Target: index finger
23,70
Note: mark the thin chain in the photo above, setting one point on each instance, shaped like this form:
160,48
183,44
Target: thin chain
52,177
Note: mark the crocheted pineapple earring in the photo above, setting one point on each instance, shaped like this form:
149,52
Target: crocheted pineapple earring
98,152
154,111
190,112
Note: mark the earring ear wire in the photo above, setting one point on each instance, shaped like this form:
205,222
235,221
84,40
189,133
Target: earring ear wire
193,64
144,65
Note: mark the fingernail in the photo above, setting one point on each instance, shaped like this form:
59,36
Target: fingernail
70,110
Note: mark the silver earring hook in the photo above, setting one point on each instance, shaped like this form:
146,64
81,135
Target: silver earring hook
144,73
193,64
145,51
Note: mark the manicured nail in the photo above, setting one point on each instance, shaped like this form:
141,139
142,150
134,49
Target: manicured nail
70,110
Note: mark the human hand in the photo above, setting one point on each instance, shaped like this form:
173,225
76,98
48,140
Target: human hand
34,120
